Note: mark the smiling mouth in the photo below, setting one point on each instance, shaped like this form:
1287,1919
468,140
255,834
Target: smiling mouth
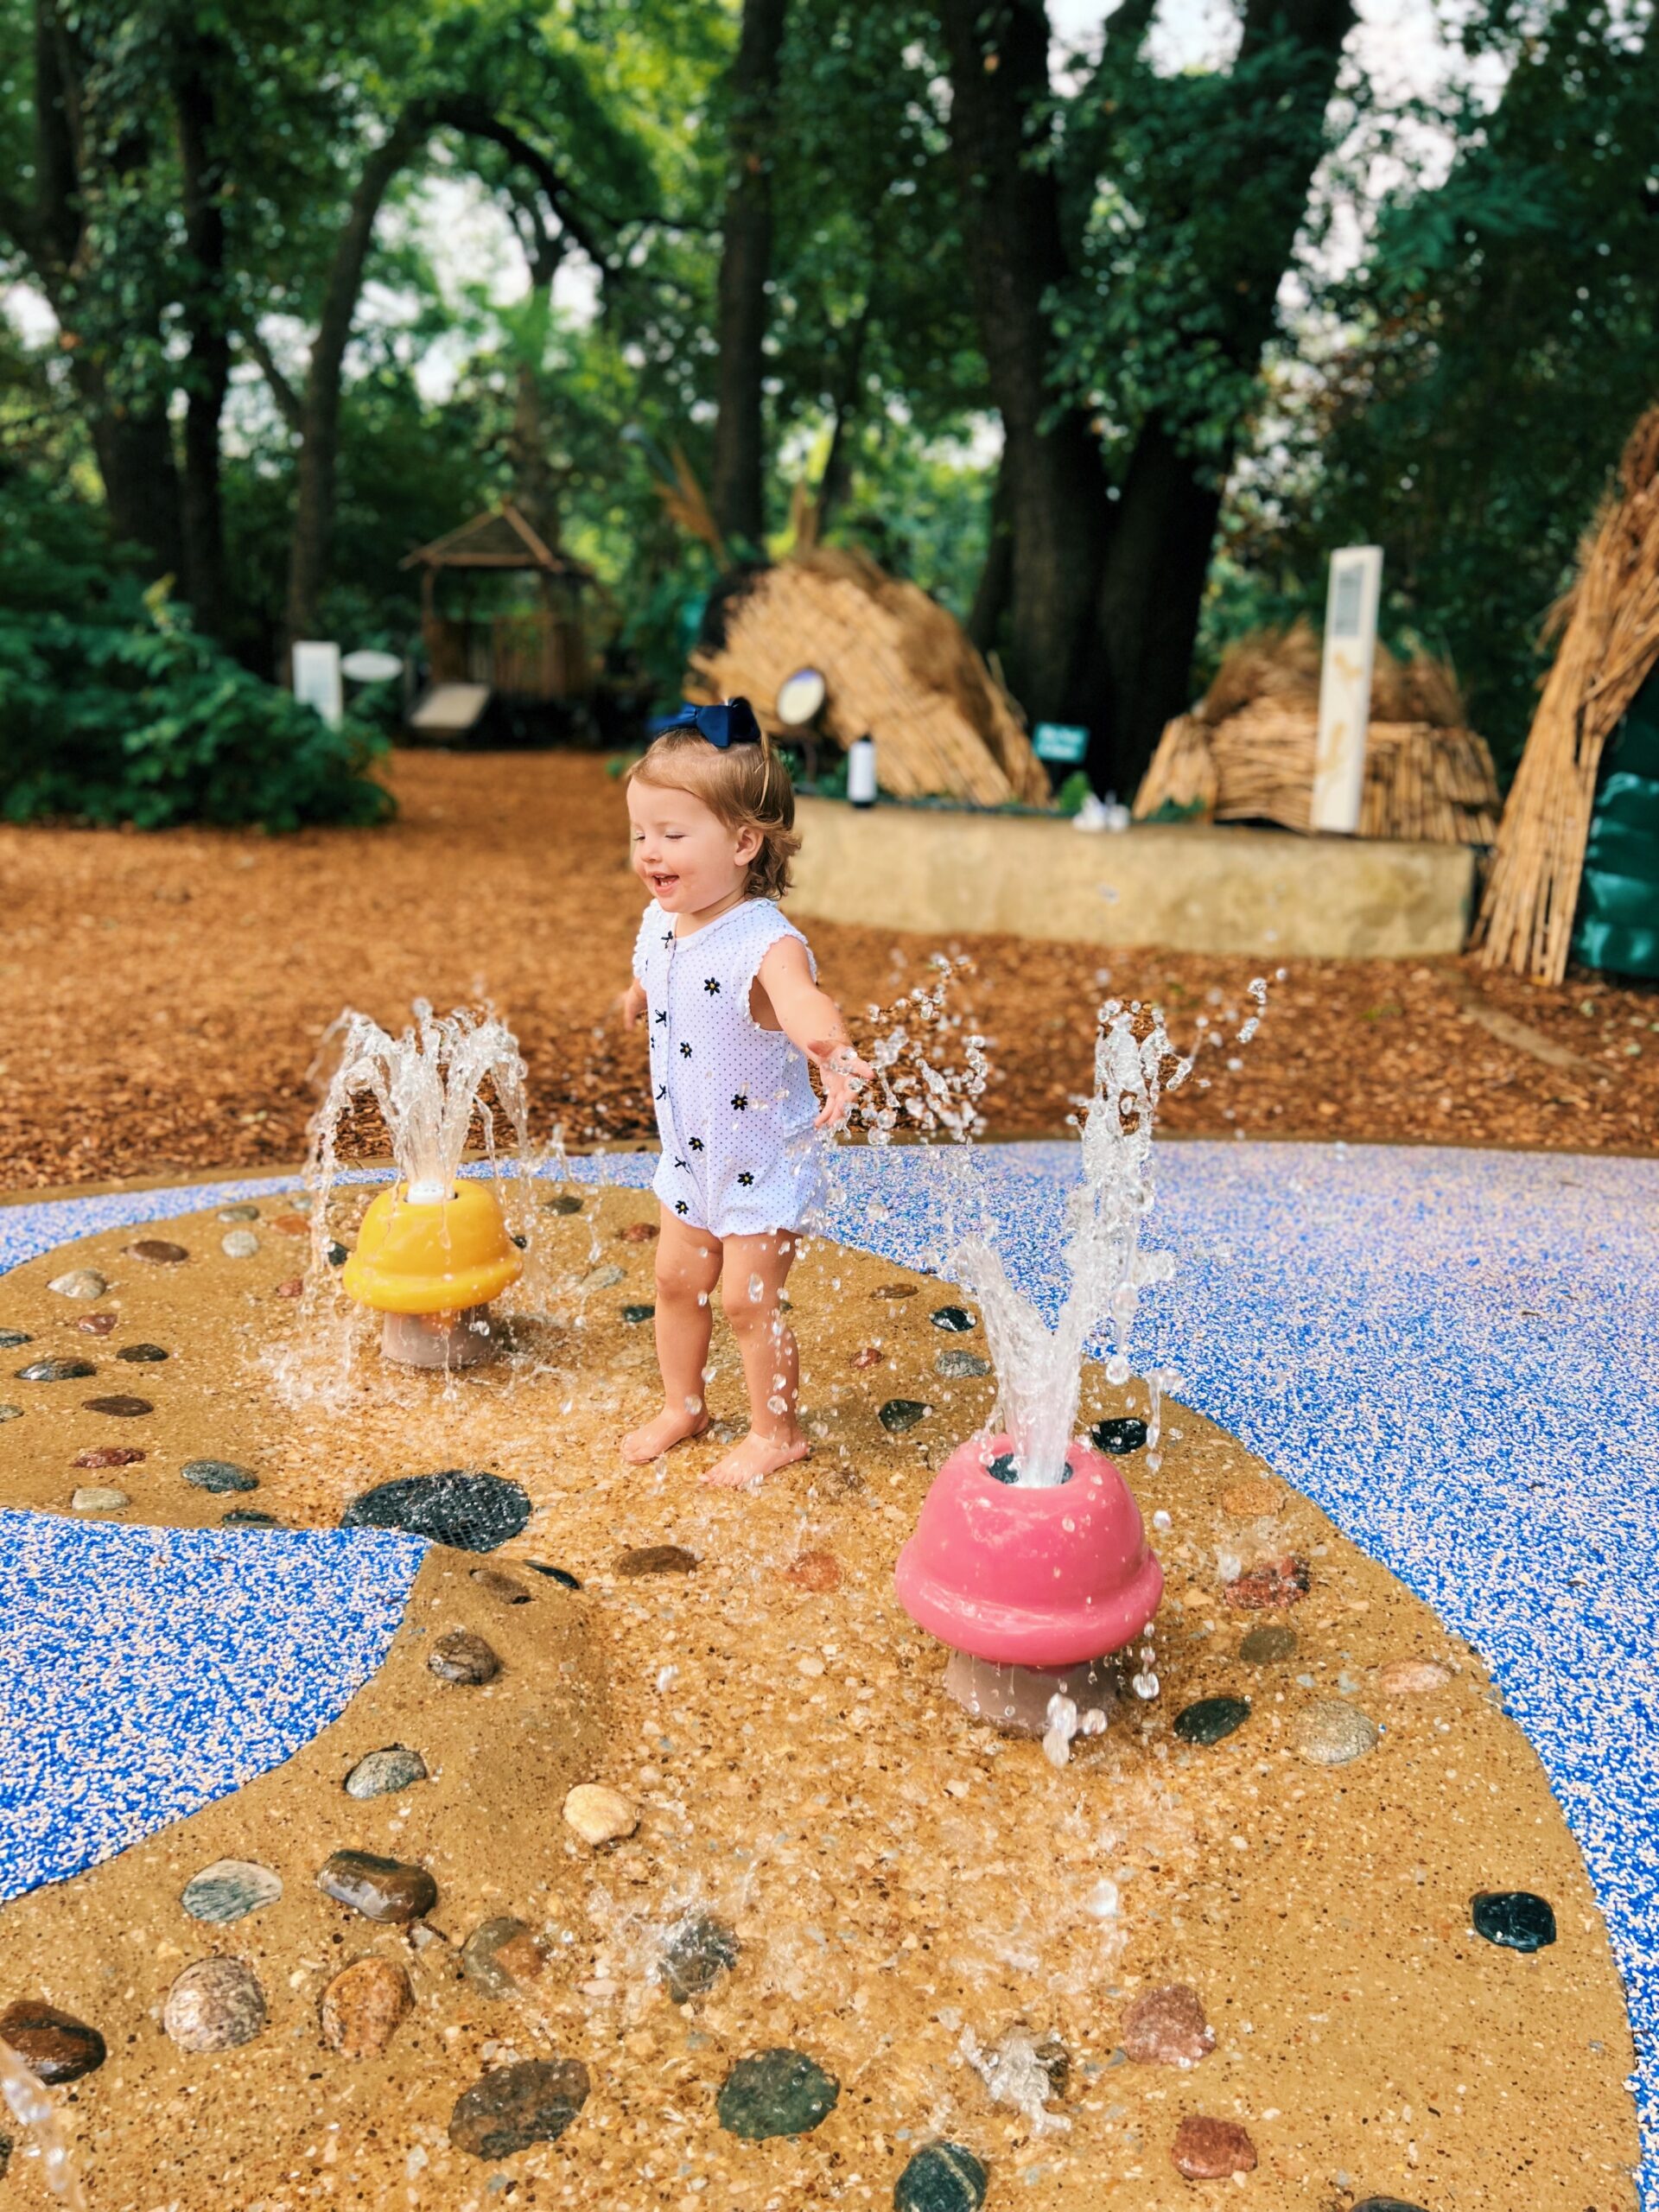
659,880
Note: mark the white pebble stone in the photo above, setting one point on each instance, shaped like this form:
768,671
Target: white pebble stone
80,1283
600,1814
239,1244
93,1499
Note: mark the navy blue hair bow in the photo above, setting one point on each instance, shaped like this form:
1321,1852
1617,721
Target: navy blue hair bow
732,723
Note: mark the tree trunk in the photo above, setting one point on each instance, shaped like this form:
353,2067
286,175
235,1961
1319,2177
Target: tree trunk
736,490
131,442
1152,583
1103,597
314,504
995,584
1053,479
207,374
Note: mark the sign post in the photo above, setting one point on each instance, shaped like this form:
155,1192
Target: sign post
1346,687
317,679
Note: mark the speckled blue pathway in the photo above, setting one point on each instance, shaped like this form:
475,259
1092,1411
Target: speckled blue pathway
1455,1353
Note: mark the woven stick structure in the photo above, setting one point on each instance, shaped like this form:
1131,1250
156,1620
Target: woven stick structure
896,665
1247,753
1608,628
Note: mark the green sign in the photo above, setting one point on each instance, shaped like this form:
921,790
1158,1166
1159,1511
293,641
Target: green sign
1066,743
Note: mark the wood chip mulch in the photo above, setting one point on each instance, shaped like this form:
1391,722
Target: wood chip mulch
167,994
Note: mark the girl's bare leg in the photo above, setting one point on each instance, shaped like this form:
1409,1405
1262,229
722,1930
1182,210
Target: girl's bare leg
688,1267
752,1284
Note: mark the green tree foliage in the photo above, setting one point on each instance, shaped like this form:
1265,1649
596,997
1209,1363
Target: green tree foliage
1500,339
115,709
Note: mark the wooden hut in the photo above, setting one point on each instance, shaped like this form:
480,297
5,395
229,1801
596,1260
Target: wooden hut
1609,629
533,653
1246,754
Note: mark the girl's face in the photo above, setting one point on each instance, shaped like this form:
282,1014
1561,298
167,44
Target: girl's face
682,852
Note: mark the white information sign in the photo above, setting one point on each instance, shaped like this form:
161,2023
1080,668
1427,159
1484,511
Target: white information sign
317,679
1345,686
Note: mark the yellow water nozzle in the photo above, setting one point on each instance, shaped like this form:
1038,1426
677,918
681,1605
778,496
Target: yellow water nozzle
444,1258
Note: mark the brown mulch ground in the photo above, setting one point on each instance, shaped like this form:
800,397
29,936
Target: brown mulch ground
166,994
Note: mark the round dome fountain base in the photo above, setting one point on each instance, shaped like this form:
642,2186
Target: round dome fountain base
1017,1699
446,1340
1041,1578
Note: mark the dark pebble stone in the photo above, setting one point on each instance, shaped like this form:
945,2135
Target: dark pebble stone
639,1312
776,2092
470,1511
57,1370
157,1251
522,1242
1211,1719
512,2107
896,1290
505,1587
1265,1647
501,1956
561,1575
1386,2204
55,2046
698,1952
562,1202
901,1414
109,1455
1055,2060
7,2146
380,1889
657,1559
1515,1918
957,1319
941,2177
246,1517
10,1338
1004,1468
460,1656
123,1407
220,1476
338,1255
1126,1435
141,1355
379,1773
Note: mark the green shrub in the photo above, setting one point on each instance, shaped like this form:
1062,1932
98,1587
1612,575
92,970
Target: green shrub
113,708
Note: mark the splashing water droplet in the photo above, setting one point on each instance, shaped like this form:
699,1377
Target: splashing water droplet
757,1290
1145,1686
1160,1519
693,1403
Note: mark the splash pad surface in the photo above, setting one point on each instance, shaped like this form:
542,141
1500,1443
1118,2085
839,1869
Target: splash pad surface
1415,1339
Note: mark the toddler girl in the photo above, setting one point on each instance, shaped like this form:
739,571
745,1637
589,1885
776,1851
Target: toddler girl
727,989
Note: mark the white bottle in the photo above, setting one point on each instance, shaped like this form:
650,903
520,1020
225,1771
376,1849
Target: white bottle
861,772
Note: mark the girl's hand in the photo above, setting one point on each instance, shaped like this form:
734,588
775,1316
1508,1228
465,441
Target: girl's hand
632,1004
844,1076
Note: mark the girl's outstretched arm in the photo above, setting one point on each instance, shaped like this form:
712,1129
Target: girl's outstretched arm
811,1021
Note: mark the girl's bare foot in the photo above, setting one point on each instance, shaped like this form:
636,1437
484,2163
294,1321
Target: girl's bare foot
673,1425
755,1458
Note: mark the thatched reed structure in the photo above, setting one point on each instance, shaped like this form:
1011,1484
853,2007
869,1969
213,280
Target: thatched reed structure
1609,629
897,666
1246,754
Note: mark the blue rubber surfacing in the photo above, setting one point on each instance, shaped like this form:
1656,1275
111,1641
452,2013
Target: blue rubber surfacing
1454,1353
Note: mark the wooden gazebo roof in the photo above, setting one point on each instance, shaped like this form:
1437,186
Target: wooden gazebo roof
501,538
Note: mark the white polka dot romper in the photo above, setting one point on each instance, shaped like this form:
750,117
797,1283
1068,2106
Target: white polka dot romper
734,1105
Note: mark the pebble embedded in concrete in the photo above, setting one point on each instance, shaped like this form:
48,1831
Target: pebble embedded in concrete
655,1559
95,1499
362,2007
1516,1920
157,1252
1270,1586
942,2178
238,1244
120,1405
1211,2150
533,2100
215,2005
1211,1719
779,2092
600,1814
55,2045
380,1889
502,1957
1330,1732
382,1772
460,1656
220,1476
695,1954
79,1282
1166,2027
1267,1647
956,1366
141,1355
57,1370
1411,1678
899,1414
229,1890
